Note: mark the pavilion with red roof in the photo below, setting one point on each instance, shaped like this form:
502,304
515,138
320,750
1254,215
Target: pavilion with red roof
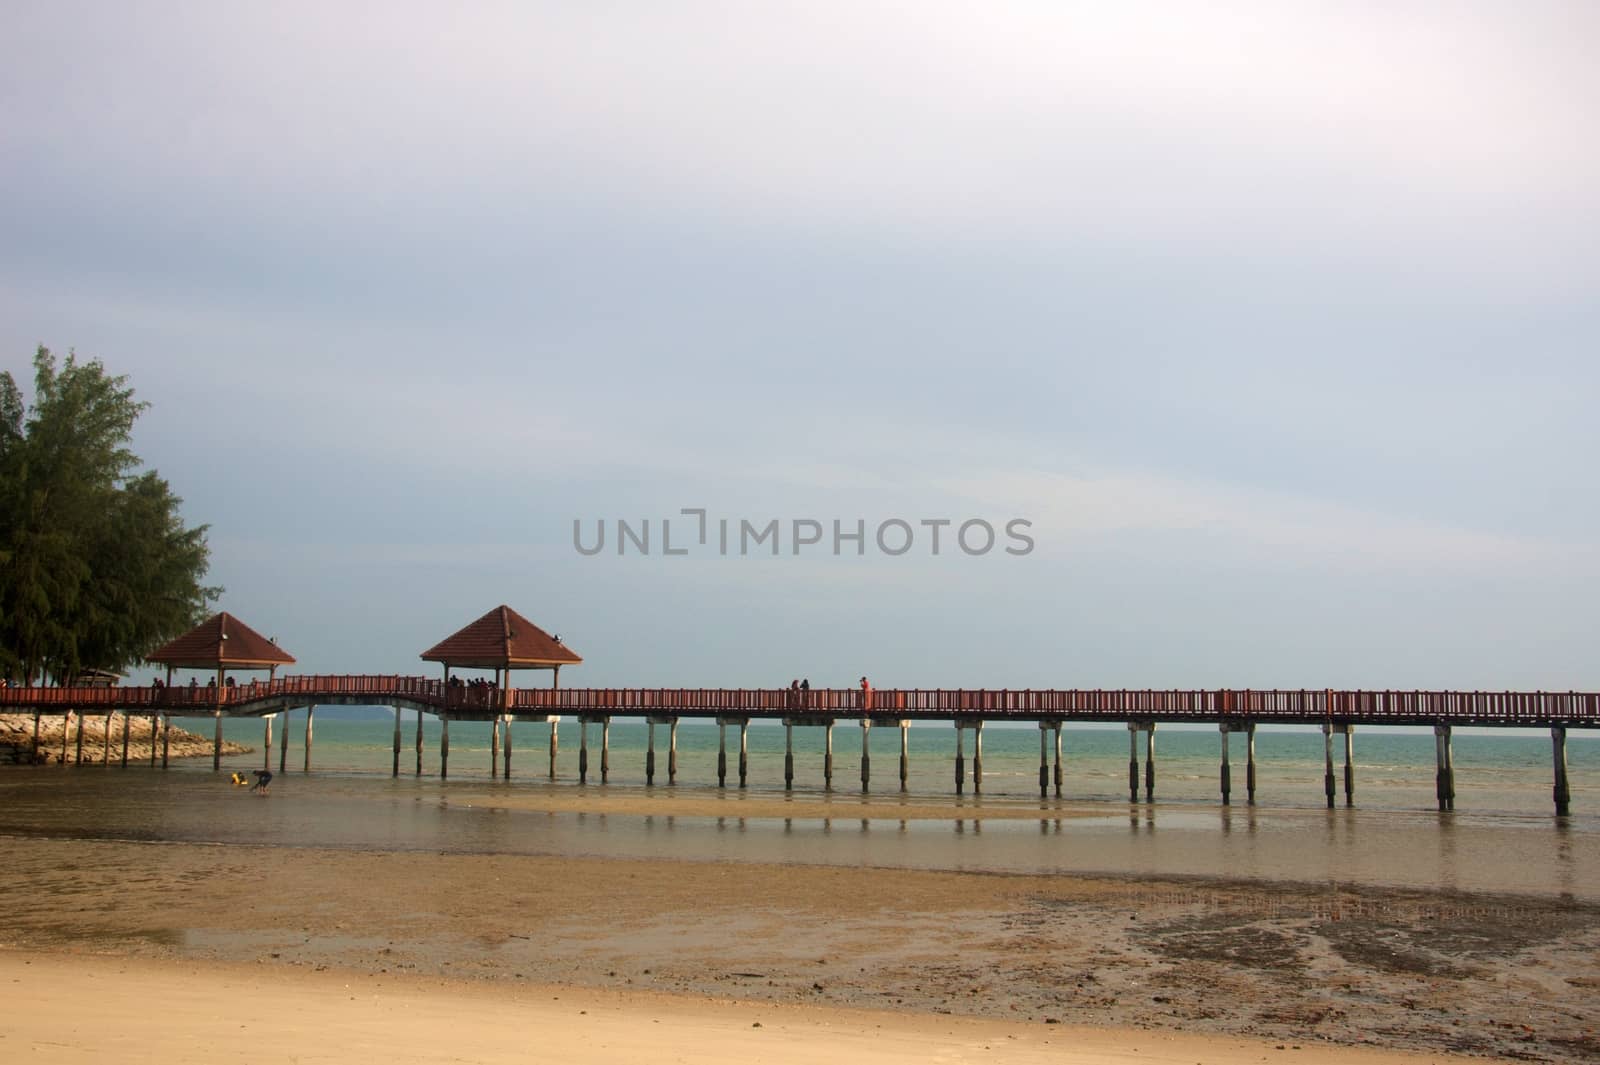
501,640
221,642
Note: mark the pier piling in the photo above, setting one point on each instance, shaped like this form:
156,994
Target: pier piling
583,750
1060,771
419,741
494,747
105,740
672,750
722,753
1250,763
866,755
1444,773
977,758
1327,763
788,756
166,737
1563,793
961,759
555,743
827,758
397,726
905,754
444,747
1349,765
508,718
216,743
1150,763
605,749
744,752
1227,772
1044,759
125,741
266,762
310,713
283,747
1133,761
650,753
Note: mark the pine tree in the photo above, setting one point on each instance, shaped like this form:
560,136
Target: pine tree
96,566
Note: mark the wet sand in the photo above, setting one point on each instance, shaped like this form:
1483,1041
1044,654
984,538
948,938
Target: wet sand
1289,963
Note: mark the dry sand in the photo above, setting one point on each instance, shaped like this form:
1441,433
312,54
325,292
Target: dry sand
1035,958
77,1008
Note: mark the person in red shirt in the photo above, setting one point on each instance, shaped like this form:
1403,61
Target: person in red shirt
866,695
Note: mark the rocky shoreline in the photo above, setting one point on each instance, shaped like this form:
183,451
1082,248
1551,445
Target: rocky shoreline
97,740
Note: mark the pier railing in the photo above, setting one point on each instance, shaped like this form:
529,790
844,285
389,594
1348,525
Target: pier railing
1310,706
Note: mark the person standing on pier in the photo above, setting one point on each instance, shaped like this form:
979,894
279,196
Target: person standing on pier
805,692
866,696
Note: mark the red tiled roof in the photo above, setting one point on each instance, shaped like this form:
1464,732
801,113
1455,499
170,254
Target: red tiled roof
221,640
501,639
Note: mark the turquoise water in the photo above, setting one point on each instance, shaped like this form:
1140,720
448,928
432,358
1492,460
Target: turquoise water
1393,769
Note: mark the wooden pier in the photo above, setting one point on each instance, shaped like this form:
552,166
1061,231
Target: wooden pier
1335,713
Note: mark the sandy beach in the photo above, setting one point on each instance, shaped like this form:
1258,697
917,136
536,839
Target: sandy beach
1193,969
204,1012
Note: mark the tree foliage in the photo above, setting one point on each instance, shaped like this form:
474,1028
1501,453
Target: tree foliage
96,566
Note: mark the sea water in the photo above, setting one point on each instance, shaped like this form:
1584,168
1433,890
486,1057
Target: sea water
1502,837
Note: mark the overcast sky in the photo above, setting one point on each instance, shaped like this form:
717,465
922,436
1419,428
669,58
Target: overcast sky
1278,322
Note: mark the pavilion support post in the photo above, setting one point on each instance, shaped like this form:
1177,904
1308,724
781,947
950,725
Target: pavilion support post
583,750
961,759
444,747
397,725
905,754
650,753
555,742
1328,788
155,727
1250,763
494,747
508,719
672,751
605,750
1227,770
79,749
34,754
1562,792
722,754
827,757
1044,759
216,744
1349,765
866,755
1133,761
419,741
105,740
788,756
166,739
266,762
310,713
744,752
977,758
1150,762
283,747
1059,772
